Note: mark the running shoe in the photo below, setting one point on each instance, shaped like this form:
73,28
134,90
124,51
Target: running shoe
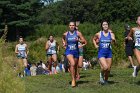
135,72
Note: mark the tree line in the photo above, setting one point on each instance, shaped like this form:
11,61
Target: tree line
92,11
23,16
20,16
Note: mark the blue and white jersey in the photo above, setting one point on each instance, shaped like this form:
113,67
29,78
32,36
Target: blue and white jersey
22,50
72,42
52,47
105,42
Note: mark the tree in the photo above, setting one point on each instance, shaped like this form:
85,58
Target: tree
90,11
19,15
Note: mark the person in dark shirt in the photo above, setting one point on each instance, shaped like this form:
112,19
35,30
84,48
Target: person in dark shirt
129,45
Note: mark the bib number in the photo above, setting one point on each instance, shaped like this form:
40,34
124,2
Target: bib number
105,45
137,42
72,47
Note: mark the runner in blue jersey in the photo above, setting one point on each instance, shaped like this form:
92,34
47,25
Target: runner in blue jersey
52,48
105,37
135,34
70,42
21,51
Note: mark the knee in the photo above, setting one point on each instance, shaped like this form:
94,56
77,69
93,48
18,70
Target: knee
108,68
73,65
105,68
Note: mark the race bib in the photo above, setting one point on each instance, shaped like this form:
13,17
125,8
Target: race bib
72,46
105,45
22,54
53,51
137,42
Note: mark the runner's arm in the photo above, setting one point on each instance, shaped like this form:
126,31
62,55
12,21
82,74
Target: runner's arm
27,50
58,48
64,41
113,38
129,37
47,45
94,40
82,39
16,49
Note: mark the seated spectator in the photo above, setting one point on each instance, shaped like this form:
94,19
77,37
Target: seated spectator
39,69
27,70
94,62
43,65
86,64
33,70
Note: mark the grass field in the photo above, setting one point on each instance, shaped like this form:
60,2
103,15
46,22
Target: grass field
121,82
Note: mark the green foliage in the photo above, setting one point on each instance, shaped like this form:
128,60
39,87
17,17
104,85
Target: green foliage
19,15
37,41
46,30
37,48
90,11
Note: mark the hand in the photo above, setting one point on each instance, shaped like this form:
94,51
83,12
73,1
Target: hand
126,38
25,55
64,45
129,38
80,46
97,46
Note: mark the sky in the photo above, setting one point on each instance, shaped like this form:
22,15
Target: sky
45,3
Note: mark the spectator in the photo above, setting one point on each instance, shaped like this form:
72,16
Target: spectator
39,69
85,64
33,70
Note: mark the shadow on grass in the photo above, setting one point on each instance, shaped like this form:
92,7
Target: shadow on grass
109,83
111,75
82,82
112,82
83,76
138,83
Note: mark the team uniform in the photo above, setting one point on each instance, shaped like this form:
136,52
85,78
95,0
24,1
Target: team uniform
72,44
137,39
105,46
137,46
52,48
21,51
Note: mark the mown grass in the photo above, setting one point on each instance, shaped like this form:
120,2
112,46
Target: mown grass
121,82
